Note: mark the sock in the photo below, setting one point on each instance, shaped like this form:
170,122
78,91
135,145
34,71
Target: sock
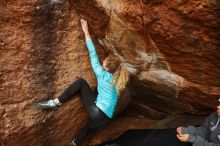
56,101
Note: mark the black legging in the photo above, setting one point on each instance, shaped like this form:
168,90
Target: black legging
97,117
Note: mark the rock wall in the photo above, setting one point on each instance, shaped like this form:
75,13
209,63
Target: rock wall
170,47
42,52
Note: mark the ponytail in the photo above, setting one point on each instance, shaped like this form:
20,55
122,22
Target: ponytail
120,79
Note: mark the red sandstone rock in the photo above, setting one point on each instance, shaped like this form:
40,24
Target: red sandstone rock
170,47
173,49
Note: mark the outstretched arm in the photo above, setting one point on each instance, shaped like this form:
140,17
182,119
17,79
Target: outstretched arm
97,68
201,131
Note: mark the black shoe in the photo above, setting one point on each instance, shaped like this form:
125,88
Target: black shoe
50,104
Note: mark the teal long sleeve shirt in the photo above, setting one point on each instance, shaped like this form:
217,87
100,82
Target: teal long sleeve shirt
107,95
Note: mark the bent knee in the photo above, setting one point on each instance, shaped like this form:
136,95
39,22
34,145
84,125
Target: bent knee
81,80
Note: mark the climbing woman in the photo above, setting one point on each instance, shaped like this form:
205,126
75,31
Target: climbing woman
112,78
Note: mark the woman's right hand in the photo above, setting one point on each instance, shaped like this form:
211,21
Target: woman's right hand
183,137
84,26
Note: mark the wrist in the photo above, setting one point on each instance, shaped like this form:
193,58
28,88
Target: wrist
87,36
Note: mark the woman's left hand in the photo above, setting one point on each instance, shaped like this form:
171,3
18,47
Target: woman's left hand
84,25
183,137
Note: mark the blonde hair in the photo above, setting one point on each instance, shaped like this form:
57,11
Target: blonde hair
120,73
120,78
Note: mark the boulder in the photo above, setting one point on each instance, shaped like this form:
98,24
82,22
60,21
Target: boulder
170,47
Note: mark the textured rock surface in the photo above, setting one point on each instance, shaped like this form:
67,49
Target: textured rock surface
170,46
175,51
42,52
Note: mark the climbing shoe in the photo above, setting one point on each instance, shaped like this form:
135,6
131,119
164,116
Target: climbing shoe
50,104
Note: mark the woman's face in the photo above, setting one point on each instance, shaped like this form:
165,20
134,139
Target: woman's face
218,110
